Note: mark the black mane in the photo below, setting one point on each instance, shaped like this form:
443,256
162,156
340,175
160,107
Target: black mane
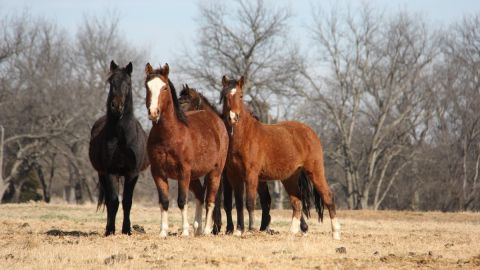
176,105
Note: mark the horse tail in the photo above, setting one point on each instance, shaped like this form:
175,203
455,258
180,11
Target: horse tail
306,193
101,197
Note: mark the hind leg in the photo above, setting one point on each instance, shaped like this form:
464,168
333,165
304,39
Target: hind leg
217,214
183,187
111,200
265,202
227,203
199,191
293,191
315,172
130,181
213,182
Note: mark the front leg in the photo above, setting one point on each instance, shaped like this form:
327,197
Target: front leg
161,181
251,184
111,200
129,186
183,186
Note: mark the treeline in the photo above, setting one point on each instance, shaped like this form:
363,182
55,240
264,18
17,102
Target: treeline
395,101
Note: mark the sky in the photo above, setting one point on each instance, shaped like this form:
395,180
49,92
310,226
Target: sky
165,27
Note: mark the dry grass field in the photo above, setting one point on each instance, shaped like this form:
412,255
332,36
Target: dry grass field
370,240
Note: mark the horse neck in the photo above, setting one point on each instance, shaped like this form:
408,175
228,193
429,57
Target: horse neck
245,128
169,127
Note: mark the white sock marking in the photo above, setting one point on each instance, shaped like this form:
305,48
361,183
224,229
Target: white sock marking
336,228
164,223
295,227
209,221
197,224
185,224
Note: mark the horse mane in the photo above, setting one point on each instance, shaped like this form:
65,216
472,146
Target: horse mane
178,112
203,99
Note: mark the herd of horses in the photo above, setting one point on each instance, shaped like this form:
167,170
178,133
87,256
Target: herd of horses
190,139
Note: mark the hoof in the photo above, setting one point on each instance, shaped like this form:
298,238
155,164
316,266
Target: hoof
237,233
163,234
184,233
336,236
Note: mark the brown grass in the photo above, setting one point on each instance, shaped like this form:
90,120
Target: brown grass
372,240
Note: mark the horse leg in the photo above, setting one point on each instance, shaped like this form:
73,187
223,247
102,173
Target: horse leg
213,182
162,187
182,201
238,188
217,214
199,192
251,185
265,202
316,175
129,186
227,203
293,191
111,200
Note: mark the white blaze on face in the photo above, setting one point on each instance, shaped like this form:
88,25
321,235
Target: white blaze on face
233,91
232,115
154,85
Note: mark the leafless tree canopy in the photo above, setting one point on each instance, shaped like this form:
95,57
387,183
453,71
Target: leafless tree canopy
395,100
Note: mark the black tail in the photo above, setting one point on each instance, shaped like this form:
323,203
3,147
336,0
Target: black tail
306,193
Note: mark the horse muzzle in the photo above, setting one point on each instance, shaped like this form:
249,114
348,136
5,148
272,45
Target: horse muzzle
233,117
154,115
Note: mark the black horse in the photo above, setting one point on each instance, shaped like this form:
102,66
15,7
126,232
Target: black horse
118,147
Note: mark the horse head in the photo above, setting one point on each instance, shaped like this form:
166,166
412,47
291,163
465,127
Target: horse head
232,94
120,94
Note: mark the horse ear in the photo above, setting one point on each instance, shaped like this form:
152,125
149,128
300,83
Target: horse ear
113,66
241,81
148,68
224,81
186,86
129,68
165,70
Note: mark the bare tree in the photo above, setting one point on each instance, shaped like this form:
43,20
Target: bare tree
250,39
374,95
457,133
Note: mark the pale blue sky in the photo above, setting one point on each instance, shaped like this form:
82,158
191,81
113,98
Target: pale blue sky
148,23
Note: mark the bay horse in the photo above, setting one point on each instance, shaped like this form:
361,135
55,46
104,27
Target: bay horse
118,147
284,150
183,146
192,100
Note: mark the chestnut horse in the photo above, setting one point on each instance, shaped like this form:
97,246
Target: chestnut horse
192,100
183,146
118,147
280,151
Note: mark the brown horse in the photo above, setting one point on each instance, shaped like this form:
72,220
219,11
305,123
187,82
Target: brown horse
267,152
192,100
183,147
